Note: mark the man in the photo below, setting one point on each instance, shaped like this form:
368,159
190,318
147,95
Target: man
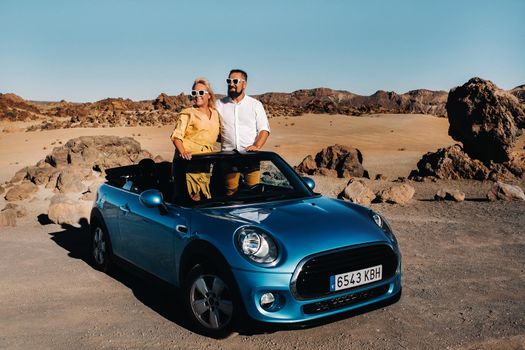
244,126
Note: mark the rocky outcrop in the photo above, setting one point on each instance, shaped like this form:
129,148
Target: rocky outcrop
66,167
337,160
488,122
486,119
324,100
503,191
174,103
450,163
401,194
519,92
15,108
356,191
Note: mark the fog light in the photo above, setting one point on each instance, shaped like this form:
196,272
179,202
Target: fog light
267,300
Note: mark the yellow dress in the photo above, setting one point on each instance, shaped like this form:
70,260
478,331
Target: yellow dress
198,134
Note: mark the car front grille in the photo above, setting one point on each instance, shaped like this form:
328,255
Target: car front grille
312,277
345,300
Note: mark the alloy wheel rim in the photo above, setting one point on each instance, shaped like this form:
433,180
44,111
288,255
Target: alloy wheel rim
99,246
211,302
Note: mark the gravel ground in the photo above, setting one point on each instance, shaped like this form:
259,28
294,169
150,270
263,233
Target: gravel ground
463,287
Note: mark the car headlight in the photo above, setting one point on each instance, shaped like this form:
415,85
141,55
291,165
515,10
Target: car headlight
256,245
383,224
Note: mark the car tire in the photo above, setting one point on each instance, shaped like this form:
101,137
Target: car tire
100,252
211,300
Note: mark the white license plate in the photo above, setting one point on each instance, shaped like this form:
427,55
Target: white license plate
356,278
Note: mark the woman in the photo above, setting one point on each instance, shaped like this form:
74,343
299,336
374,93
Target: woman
196,131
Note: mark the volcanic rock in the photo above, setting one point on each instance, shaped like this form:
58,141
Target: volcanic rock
400,194
175,103
486,119
98,152
324,100
450,195
8,218
519,92
64,210
70,179
336,160
20,210
503,191
450,163
20,192
356,191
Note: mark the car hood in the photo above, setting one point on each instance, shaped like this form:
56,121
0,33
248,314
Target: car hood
305,227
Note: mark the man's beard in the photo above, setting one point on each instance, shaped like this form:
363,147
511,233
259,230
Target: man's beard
233,94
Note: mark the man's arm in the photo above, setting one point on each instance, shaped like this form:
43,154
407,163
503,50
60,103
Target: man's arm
263,128
259,141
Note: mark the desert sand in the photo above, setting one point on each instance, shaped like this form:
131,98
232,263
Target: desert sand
463,263
391,143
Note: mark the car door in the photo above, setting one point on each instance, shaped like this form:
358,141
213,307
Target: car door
150,235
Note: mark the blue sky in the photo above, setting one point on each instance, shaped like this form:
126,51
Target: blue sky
90,50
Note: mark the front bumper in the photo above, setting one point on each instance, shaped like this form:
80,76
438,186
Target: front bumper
288,309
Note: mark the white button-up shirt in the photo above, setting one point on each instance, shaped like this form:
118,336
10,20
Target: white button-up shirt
241,122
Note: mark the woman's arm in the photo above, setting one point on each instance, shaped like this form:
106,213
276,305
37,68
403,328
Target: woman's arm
180,148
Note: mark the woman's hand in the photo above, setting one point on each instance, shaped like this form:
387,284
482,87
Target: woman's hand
186,155
180,148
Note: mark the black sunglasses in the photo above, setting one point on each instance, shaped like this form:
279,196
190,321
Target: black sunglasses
233,81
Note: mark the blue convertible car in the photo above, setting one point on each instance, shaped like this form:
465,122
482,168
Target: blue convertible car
275,251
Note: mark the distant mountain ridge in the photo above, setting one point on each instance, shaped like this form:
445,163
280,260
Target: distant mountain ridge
162,110
325,100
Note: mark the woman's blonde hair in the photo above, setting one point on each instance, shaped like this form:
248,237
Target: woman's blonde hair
206,83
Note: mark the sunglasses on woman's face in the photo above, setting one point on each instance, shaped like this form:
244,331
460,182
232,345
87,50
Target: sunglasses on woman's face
233,81
198,92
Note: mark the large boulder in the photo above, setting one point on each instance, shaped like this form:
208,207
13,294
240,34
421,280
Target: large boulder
98,152
356,191
42,173
64,210
25,190
336,160
401,194
503,191
486,119
70,179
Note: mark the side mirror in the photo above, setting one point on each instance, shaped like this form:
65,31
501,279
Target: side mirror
309,182
151,198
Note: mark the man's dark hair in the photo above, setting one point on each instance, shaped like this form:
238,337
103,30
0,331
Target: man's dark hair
243,73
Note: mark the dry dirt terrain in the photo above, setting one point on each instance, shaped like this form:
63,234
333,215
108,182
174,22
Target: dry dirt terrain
463,263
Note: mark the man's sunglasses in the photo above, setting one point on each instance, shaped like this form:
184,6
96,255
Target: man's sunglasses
233,81
198,92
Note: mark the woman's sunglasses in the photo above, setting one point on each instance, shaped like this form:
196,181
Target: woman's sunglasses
198,92
233,81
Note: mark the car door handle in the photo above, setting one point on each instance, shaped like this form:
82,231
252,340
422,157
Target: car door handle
124,208
181,228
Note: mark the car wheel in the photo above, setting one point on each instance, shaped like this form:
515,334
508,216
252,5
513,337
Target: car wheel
211,301
100,247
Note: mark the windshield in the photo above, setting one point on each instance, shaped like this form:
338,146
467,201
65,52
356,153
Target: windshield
241,179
